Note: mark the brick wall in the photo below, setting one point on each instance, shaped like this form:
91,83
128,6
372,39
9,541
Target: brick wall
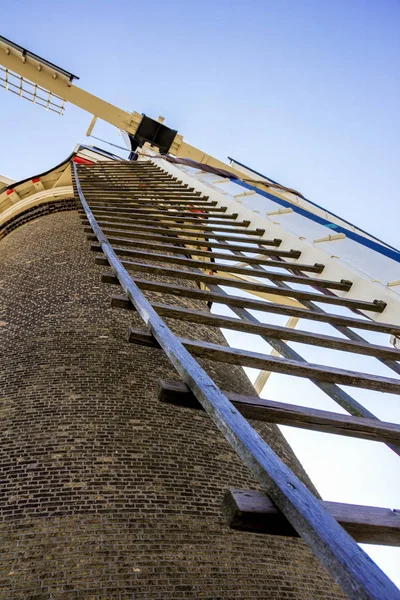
34,212
107,493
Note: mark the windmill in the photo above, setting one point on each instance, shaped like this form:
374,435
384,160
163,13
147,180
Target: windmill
177,223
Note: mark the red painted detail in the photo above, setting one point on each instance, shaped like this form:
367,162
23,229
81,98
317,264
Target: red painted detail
10,192
36,180
196,210
83,161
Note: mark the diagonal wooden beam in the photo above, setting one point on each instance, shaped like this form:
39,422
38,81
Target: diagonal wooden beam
263,376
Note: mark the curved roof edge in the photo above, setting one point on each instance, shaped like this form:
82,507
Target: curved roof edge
52,185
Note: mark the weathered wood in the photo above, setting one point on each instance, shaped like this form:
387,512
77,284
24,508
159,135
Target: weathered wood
99,184
122,197
212,266
273,331
200,226
352,335
270,411
116,201
247,510
126,180
134,210
136,182
331,389
334,391
178,211
132,170
155,205
173,219
142,186
246,285
276,364
175,216
179,249
344,559
207,243
200,232
155,185
238,301
116,193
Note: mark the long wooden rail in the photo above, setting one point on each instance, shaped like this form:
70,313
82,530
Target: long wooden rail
172,223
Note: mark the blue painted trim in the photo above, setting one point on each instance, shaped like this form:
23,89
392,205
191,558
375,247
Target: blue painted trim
315,204
389,252
253,170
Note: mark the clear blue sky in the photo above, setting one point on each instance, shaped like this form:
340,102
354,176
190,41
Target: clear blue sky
305,91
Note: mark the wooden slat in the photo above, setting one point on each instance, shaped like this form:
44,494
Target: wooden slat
179,249
123,191
133,212
211,266
186,217
247,510
104,185
199,225
200,229
207,243
115,201
198,233
359,577
137,180
238,301
118,201
136,201
127,178
246,285
160,190
169,208
105,188
145,206
334,391
176,392
276,364
136,183
265,329
174,220
393,365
